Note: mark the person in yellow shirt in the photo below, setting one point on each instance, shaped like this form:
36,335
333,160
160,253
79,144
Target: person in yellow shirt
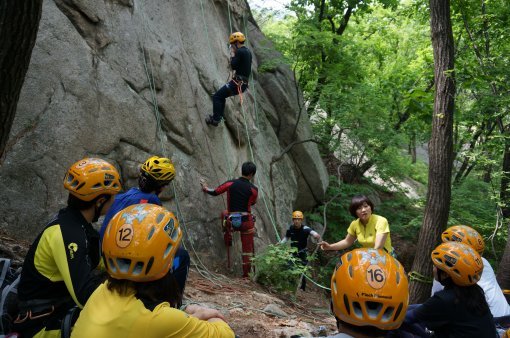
369,229
140,295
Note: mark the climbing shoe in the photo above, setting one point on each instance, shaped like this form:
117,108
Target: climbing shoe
210,121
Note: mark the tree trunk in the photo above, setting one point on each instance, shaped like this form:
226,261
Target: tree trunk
504,265
19,21
440,147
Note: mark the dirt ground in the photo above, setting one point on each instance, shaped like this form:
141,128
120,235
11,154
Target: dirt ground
243,302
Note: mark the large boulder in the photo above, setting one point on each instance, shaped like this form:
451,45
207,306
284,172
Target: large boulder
125,79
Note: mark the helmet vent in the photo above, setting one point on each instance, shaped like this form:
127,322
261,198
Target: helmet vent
373,309
160,217
151,232
349,257
79,186
398,277
149,265
167,250
112,265
388,313
346,303
399,309
356,308
123,264
471,279
138,268
335,291
97,185
107,183
350,271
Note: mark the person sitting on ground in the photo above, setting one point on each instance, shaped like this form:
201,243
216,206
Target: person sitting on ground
369,294
156,173
240,61
59,270
298,234
460,310
370,230
241,195
139,297
493,293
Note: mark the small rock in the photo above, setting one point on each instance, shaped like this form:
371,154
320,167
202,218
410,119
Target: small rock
276,310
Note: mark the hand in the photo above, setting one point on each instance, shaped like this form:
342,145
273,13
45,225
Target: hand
203,313
324,245
203,183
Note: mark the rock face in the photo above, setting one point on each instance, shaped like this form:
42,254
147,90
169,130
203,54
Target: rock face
126,79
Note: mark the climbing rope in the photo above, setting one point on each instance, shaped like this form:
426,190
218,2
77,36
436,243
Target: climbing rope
418,277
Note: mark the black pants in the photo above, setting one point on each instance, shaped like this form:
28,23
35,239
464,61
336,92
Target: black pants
181,267
229,89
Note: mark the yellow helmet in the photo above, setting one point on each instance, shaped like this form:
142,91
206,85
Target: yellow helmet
466,235
92,177
297,214
236,37
140,243
161,169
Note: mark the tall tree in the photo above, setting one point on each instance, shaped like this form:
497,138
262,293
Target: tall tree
440,146
19,22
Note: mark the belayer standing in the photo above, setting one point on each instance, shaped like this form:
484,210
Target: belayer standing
59,270
240,61
298,236
241,195
156,173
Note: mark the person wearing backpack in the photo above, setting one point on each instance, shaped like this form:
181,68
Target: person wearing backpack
156,173
59,270
139,298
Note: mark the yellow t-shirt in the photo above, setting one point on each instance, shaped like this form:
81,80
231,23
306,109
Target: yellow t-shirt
366,234
106,315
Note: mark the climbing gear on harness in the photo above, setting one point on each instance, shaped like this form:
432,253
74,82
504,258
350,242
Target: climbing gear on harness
92,177
297,214
459,261
231,222
369,287
211,121
160,169
155,234
9,280
236,37
464,234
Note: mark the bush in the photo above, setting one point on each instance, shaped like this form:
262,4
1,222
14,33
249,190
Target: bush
278,268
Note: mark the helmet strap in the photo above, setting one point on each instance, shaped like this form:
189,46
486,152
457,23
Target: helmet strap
99,208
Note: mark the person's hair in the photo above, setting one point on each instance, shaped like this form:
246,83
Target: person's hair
473,296
164,289
147,184
358,201
76,203
248,168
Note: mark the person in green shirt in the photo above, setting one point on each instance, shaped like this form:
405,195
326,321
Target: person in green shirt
369,229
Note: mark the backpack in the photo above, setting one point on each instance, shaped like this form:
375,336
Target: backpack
9,280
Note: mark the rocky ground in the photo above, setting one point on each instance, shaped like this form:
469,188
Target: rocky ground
253,311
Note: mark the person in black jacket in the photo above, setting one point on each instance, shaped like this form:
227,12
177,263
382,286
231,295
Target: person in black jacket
240,62
241,195
60,269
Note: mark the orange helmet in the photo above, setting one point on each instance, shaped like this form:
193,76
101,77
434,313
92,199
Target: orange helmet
460,261
236,37
297,214
369,287
140,242
92,177
161,169
466,235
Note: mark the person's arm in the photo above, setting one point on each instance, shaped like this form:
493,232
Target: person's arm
69,250
315,235
380,240
345,243
215,192
284,240
254,195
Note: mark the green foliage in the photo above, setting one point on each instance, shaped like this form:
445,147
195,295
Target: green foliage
278,267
